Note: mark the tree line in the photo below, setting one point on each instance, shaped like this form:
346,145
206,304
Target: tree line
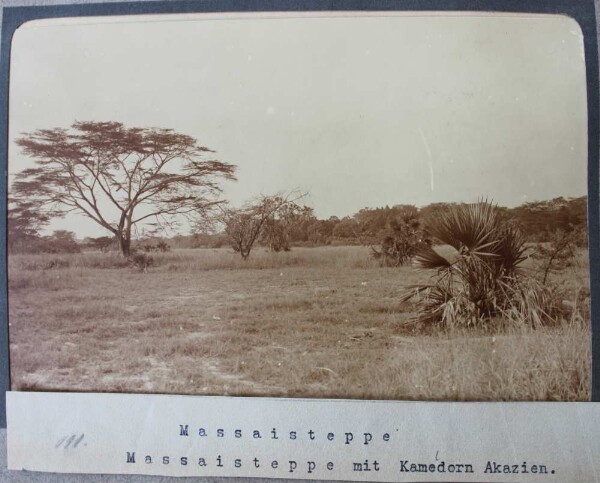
123,178
279,224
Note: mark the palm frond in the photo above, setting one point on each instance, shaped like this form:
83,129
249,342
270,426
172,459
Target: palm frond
483,281
511,251
427,258
470,227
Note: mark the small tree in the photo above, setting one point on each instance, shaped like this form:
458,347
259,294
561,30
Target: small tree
278,228
245,226
401,239
557,253
119,176
242,227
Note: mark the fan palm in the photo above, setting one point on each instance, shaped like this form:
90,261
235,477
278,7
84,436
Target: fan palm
477,282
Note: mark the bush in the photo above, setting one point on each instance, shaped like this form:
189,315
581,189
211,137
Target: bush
558,253
401,239
61,241
485,279
56,263
103,244
163,246
141,261
208,241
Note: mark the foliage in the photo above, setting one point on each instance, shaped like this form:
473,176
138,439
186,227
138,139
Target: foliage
401,239
24,222
347,227
153,245
266,217
202,240
277,231
163,246
61,241
540,220
484,279
119,176
242,228
430,213
101,243
557,253
141,261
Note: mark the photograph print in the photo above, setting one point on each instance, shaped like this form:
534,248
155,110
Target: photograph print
335,205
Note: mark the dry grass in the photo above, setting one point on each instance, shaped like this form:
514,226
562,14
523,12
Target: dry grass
315,322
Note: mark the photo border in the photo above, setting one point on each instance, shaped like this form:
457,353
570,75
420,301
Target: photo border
582,11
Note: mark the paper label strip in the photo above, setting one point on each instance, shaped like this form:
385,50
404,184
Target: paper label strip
311,439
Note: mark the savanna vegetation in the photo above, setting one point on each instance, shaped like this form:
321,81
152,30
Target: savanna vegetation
312,322
447,301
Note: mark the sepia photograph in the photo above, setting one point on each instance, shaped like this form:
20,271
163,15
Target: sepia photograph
374,206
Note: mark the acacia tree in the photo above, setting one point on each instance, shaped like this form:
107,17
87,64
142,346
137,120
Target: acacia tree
119,176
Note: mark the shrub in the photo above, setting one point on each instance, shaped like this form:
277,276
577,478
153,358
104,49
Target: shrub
163,246
275,235
558,252
102,244
485,279
401,239
61,241
141,261
56,263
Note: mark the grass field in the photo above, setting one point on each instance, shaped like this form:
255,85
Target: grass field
314,322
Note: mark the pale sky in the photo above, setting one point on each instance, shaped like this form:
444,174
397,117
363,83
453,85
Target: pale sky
361,111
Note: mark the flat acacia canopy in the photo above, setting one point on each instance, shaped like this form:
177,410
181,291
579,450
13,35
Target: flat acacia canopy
119,176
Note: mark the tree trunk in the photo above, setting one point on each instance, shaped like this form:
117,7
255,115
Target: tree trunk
124,244
124,236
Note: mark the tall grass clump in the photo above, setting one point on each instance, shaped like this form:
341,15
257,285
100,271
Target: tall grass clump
484,279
